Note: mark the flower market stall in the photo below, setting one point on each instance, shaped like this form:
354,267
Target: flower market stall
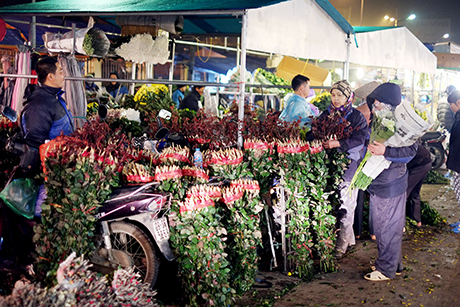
220,217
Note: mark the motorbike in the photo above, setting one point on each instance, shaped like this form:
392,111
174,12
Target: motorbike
132,230
432,140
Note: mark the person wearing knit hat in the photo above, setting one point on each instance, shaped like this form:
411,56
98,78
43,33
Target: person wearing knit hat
388,193
341,97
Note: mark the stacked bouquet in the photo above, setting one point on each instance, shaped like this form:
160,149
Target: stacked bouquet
403,127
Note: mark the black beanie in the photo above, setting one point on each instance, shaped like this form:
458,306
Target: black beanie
388,93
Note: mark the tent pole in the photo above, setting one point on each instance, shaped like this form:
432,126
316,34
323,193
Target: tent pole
33,31
346,66
74,39
244,29
171,67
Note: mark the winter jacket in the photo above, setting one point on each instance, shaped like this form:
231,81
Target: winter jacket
453,159
45,116
355,143
177,97
190,101
392,181
297,108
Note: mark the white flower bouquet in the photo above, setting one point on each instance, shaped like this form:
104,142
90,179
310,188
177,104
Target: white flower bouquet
403,127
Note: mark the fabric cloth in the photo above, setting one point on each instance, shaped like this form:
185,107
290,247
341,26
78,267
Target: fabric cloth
6,94
191,101
346,236
388,93
296,108
453,159
177,97
45,116
388,216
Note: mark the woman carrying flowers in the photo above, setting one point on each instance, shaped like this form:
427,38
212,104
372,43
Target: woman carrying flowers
388,191
350,141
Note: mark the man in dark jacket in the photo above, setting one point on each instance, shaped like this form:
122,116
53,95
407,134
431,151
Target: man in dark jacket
418,169
45,115
388,193
191,100
453,159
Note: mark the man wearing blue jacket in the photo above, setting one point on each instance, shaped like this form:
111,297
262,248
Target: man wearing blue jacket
388,193
296,107
45,115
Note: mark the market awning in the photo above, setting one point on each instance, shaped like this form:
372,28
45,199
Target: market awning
87,7
394,48
299,28
289,67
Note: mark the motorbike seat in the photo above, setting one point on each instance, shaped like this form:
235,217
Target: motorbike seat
430,135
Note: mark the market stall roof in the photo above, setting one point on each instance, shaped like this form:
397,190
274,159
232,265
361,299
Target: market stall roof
393,48
299,28
104,7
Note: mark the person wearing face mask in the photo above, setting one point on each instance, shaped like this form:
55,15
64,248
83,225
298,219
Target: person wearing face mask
387,192
341,102
90,86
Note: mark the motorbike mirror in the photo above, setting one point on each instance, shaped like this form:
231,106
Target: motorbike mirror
164,114
161,133
9,113
102,111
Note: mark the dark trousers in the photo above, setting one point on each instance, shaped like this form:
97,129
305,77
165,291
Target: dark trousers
389,219
359,212
414,183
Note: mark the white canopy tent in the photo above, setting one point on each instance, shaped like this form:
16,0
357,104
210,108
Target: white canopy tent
298,28
393,48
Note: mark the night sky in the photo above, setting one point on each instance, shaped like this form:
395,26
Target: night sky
374,10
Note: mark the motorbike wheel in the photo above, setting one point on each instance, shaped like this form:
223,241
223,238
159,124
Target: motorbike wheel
133,242
437,155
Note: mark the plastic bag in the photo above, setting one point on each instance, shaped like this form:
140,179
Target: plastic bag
20,196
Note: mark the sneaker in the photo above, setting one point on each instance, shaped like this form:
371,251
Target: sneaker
454,224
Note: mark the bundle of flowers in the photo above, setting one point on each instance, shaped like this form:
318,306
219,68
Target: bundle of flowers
80,286
198,240
231,194
250,186
195,174
258,147
142,48
166,172
398,128
316,147
203,190
383,127
322,101
175,154
136,172
292,146
96,43
198,140
242,223
334,126
230,156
